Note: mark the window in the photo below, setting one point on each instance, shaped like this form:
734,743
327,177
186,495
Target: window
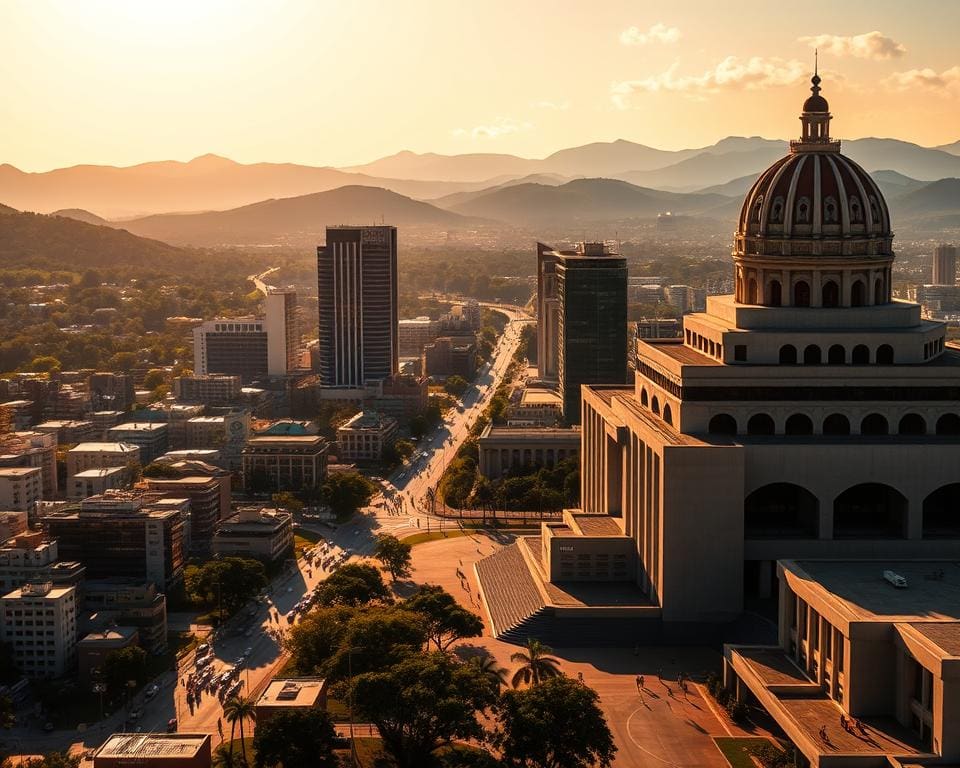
801,294
830,211
856,210
912,424
760,424
884,355
803,210
788,355
811,355
857,294
722,424
831,294
667,414
776,211
948,424
836,355
774,294
874,424
861,355
836,424
740,353
798,424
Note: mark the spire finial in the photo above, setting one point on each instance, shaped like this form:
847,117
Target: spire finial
816,53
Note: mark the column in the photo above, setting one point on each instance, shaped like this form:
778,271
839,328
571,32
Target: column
845,288
816,289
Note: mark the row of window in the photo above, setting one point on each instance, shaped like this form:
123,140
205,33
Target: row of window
803,210
654,405
836,355
835,424
830,295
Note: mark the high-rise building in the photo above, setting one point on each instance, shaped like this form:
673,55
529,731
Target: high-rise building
39,626
592,322
232,346
357,303
32,449
282,321
110,391
548,312
945,264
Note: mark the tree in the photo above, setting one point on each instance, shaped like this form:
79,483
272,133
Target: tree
422,703
376,638
446,621
227,581
288,501
419,426
394,554
456,385
154,378
296,739
159,469
488,666
558,724
353,584
346,492
535,664
404,448
238,709
314,639
45,364
123,665
54,760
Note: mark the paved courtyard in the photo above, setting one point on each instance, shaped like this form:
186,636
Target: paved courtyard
659,727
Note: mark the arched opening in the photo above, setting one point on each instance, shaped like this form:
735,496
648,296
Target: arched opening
788,354
948,424
774,294
811,355
760,424
857,294
667,414
941,513
644,398
801,294
655,405
861,355
781,511
912,424
831,294
751,291
836,355
798,424
879,296
874,424
884,355
870,511
722,424
836,424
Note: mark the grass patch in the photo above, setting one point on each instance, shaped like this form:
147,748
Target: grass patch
738,751
220,753
420,538
303,540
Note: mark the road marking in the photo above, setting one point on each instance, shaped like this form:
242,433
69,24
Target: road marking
642,748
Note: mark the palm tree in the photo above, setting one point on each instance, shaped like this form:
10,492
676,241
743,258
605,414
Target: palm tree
237,709
535,664
486,665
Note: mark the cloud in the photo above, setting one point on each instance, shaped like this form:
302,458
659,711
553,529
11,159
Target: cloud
502,126
924,78
870,45
658,33
731,74
556,106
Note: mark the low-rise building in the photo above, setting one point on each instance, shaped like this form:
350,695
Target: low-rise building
212,389
363,438
69,431
19,413
39,625
20,488
538,407
12,524
94,647
32,449
414,334
150,437
154,750
284,462
450,356
28,558
100,455
110,391
291,694
130,603
92,482
264,534
506,448
208,504
103,420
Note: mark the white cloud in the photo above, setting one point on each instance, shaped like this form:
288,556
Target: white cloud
870,45
732,73
502,126
556,106
925,78
658,33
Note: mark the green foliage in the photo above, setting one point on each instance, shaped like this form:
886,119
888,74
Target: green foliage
346,492
557,724
527,348
314,640
394,555
536,665
445,620
771,756
296,739
159,469
374,639
419,426
236,711
457,482
353,584
456,385
421,703
233,579
154,378
123,665
404,448
53,760
288,501
45,364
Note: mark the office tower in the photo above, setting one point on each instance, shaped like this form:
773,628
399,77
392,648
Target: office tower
592,322
357,301
232,346
110,391
548,312
282,323
39,626
945,265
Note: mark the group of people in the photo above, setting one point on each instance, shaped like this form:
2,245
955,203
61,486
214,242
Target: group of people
850,725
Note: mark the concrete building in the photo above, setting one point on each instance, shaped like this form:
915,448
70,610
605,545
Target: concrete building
101,455
39,626
538,407
110,391
944,265
680,297
27,558
20,488
231,346
211,389
282,323
548,313
289,694
130,603
18,413
174,416
450,356
506,448
363,437
92,482
592,335
94,647
208,503
854,641
32,449
285,462
69,430
12,524
102,421
154,750
150,437
414,334
357,301
264,534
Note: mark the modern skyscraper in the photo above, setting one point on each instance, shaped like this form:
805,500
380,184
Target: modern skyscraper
592,322
945,265
548,311
232,346
357,301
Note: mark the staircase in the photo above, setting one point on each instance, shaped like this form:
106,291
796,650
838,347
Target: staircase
512,598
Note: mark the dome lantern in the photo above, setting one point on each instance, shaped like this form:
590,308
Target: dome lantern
815,121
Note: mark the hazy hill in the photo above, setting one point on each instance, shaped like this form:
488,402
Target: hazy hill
581,200
707,168
295,219
609,159
936,197
204,183
81,215
457,198
909,159
7,209
477,167
735,187
953,149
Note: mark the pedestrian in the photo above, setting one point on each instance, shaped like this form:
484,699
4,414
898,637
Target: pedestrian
660,674
823,732
580,676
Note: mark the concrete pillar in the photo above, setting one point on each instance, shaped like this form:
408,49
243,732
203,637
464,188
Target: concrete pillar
816,289
826,517
915,517
845,288
765,585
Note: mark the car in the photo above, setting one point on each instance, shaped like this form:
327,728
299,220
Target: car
172,725
152,691
136,713
202,649
48,727
247,651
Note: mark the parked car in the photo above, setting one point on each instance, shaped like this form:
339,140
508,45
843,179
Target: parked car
152,691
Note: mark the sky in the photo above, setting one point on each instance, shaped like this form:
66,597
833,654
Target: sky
342,82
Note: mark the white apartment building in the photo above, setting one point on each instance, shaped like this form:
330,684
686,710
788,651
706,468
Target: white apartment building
39,624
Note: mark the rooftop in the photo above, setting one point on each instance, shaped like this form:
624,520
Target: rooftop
369,420
103,448
18,471
292,692
101,472
540,397
139,426
154,745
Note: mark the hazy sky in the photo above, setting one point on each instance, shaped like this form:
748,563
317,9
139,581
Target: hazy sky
339,82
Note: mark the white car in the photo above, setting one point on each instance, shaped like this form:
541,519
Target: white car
152,691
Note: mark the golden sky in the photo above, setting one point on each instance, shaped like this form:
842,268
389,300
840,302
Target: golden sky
336,83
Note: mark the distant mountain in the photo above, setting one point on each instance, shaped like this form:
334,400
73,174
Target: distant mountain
909,159
586,200
953,149
7,209
81,215
708,168
295,219
610,158
458,198
735,187
204,183
941,196
477,167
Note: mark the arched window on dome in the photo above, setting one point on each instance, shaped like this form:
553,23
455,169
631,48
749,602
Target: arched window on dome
858,293
831,294
774,294
874,424
801,293
875,212
776,211
751,290
879,296
830,211
803,210
884,355
861,355
655,405
644,398
798,424
758,209
948,424
788,354
912,424
760,424
856,210
667,414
